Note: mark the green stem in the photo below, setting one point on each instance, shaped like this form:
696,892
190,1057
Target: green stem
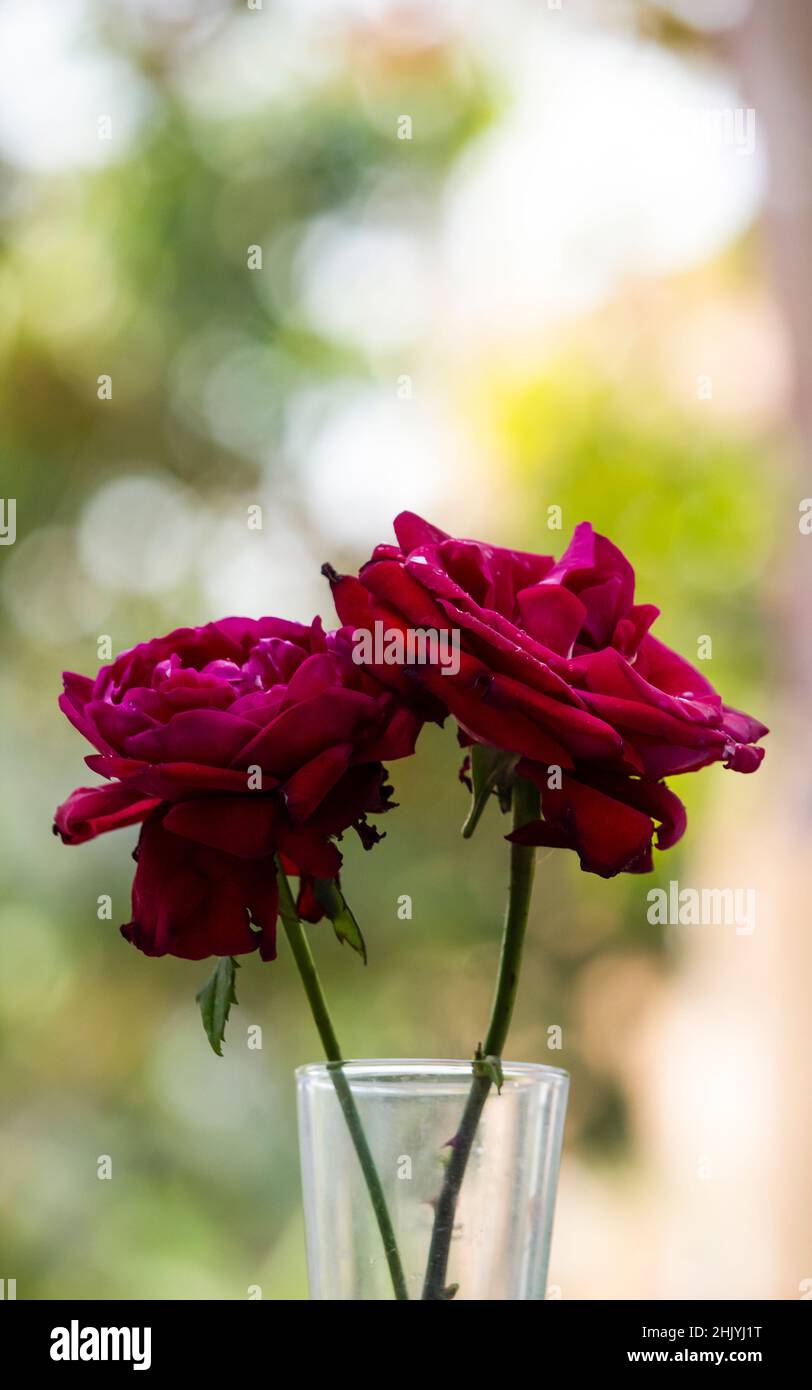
522,873
303,956
522,868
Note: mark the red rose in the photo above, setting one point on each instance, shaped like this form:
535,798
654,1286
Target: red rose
231,743
557,667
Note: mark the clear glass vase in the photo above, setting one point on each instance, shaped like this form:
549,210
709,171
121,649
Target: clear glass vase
410,1113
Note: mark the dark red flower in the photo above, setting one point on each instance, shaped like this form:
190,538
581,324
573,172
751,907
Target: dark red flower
557,666
231,743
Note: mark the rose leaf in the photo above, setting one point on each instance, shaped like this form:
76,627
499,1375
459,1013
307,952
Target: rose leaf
215,1000
331,899
491,770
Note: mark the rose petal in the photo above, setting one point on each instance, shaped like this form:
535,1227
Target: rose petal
92,811
609,835
193,902
309,785
316,675
305,730
310,853
552,615
211,737
179,781
244,826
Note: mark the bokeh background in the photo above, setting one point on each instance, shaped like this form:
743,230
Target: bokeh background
481,261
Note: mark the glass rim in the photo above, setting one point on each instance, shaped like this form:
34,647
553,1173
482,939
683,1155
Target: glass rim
382,1067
